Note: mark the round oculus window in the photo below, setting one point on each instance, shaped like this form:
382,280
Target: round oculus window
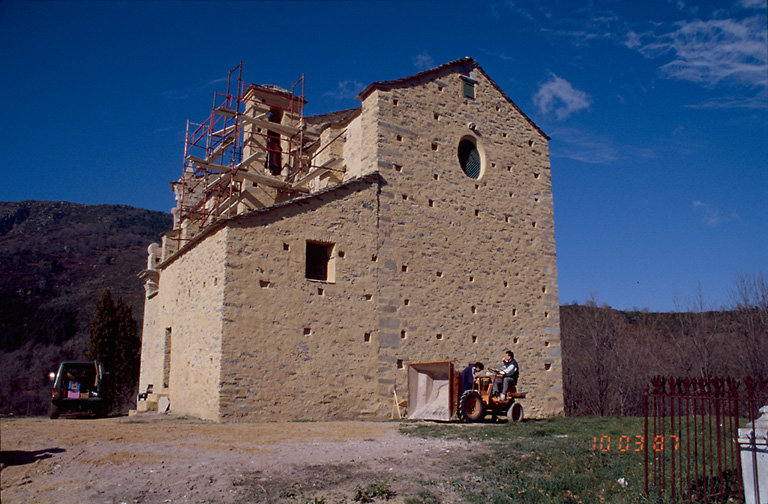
469,158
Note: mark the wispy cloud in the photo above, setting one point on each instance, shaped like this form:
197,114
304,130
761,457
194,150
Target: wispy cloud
711,216
752,4
709,52
346,90
185,93
558,96
576,144
759,101
504,8
423,61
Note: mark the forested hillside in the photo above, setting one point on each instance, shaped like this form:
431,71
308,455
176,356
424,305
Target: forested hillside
56,259
609,356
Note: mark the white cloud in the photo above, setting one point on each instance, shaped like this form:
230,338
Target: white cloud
709,52
711,216
346,90
423,61
558,96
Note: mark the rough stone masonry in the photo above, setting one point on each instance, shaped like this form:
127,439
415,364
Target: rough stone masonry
300,279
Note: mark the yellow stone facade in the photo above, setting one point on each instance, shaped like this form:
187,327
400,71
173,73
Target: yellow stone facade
423,263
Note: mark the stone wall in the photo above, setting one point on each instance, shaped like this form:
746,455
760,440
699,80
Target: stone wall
189,303
294,347
467,265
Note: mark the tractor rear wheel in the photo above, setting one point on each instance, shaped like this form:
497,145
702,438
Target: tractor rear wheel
515,412
471,407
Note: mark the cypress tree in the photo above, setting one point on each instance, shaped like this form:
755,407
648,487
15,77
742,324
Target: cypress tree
115,342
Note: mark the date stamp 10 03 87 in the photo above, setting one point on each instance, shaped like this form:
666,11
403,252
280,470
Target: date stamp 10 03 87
624,443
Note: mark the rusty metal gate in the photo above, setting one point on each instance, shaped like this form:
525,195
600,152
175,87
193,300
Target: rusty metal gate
691,428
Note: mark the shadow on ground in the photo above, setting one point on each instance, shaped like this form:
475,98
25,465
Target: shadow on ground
21,457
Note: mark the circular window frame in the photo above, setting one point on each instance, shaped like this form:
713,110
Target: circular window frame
481,152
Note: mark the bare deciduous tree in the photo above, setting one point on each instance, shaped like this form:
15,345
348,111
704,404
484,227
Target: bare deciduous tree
750,304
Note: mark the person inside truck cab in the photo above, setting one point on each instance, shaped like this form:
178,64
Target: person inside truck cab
510,371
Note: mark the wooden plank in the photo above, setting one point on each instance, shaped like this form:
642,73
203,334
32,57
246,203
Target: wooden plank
323,168
215,183
283,129
250,199
219,150
265,179
256,156
225,111
211,166
224,131
311,175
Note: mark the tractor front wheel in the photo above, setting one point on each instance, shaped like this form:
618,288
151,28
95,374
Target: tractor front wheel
471,407
515,412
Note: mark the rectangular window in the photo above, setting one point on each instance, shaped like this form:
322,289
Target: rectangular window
468,87
320,261
167,358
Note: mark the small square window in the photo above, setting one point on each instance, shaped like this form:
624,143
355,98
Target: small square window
320,264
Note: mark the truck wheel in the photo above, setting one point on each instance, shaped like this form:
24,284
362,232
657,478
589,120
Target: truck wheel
515,412
100,411
53,412
471,408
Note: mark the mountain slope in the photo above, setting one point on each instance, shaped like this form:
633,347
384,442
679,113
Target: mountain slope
56,259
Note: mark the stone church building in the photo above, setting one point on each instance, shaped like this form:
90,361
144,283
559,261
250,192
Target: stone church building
313,258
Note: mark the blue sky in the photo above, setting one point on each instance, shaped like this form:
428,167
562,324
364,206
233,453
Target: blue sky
658,111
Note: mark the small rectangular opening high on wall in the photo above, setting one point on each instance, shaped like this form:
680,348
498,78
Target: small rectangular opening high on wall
167,358
320,261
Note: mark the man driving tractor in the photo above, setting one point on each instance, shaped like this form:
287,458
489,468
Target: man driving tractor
510,371
494,391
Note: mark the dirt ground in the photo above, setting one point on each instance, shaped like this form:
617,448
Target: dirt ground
164,459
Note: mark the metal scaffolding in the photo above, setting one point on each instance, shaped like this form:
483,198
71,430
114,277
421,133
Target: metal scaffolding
252,151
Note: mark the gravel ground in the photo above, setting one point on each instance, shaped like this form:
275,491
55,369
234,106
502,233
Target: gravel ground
164,459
